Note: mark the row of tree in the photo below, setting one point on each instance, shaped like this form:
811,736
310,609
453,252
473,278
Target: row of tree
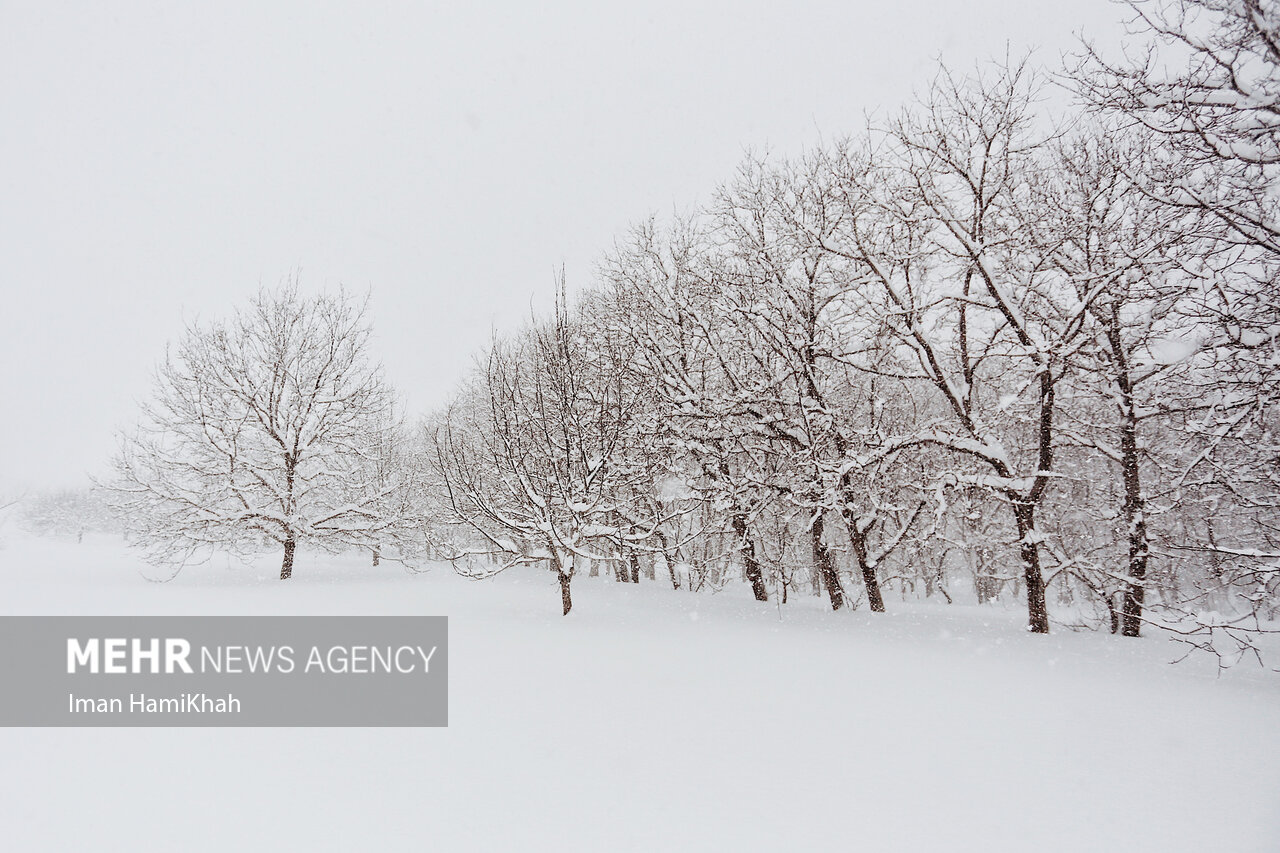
967,339
970,344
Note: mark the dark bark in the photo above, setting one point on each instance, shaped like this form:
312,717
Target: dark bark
749,561
1131,621
1134,510
1024,504
1024,510
859,540
1037,612
825,566
377,555
290,467
565,601
286,568
869,579
823,563
669,559
634,561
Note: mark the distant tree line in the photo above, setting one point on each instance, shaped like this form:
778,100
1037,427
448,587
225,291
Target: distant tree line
67,514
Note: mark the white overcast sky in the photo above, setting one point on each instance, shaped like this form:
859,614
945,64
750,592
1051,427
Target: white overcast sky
158,161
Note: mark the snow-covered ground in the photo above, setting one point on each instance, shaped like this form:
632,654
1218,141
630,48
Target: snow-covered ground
659,720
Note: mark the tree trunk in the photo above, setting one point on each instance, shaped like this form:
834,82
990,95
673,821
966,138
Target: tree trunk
669,559
858,539
286,568
1037,612
824,566
565,601
377,555
290,468
869,578
1134,593
634,560
1134,510
751,565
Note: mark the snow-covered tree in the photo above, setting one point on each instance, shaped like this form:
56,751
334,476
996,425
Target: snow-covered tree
1200,82
1204,77
962,344
534,456
933,215
705,373
266,428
